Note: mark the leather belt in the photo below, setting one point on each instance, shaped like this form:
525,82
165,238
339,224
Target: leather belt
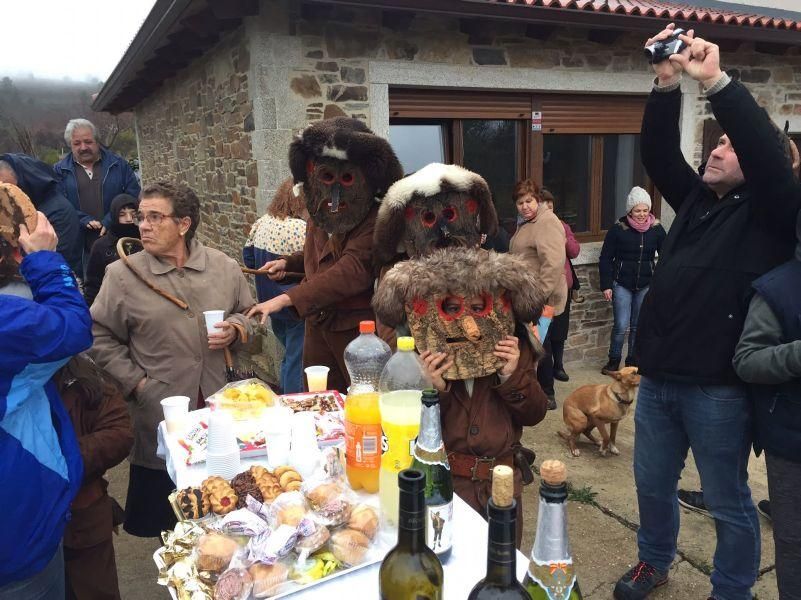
476,468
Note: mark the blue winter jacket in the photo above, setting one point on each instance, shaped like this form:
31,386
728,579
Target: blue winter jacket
40,464
36,179
118,178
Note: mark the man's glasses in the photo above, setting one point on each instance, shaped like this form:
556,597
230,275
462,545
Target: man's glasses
153,218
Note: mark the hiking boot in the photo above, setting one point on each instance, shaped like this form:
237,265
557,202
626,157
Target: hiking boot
640,581
559,374
694,501
612,365
763,508
551,401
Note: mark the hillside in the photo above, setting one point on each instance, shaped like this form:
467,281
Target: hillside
34,112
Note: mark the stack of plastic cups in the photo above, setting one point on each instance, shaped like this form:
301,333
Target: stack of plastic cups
222,450
306,455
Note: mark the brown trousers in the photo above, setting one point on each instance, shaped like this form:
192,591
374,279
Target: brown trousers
91,573
478,493
323,347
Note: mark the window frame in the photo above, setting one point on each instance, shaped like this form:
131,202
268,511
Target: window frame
570,113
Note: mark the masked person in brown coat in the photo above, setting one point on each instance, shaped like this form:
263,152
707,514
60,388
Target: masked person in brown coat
154,341
465,308
100,417
344,169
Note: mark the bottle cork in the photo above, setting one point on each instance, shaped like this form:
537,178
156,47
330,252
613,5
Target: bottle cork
502,486
553,472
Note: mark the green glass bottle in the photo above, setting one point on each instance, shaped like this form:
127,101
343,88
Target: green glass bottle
501,581
411,570
429,457
551,574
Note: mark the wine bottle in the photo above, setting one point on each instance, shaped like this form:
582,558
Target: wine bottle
551,575
430,458
411,570
501,581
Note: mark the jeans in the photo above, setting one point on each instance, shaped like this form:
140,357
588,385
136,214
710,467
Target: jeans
626,308
715,421
784,481
290,334
47,584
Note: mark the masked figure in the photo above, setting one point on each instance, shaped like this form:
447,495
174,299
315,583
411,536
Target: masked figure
344,169
439,206
464,307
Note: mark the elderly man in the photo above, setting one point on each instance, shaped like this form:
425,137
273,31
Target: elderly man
91,177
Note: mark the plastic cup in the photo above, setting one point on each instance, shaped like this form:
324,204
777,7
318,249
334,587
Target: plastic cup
176,412
225,465
317,378
221,438
278,431
212,318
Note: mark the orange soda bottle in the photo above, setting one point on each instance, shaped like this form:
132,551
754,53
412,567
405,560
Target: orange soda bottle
365,358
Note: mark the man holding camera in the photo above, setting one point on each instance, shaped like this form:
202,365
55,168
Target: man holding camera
733,223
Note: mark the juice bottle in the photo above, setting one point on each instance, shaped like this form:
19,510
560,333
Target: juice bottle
365,358
401,387
363,441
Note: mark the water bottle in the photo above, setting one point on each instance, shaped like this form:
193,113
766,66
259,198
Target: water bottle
365,358
400,391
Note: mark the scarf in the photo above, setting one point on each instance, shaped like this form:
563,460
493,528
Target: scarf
641,227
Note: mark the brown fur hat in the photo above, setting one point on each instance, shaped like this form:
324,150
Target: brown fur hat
431,180
464,272
351,140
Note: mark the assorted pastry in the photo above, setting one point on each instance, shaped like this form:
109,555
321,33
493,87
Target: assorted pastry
267,530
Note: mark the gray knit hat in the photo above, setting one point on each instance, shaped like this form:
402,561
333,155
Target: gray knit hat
637,195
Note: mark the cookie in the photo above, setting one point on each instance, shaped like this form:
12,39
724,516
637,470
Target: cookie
192,503
15,209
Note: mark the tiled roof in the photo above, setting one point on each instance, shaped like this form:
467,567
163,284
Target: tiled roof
665,10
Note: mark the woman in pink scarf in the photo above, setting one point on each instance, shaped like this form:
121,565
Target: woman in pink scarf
626,265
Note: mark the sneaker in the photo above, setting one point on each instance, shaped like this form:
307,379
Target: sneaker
694,501
640,581
560,375
551,402
611,365
763,508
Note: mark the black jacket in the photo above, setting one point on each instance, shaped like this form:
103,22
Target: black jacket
692,316
627,256
777,408
37,180
104,250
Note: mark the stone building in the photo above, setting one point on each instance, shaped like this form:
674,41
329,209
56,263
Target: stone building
552,89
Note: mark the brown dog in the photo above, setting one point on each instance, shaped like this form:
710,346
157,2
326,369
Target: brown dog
593,406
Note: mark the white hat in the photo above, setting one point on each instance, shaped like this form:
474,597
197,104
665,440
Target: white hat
637,195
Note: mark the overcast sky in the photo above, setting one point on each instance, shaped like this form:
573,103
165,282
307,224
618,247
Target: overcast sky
56,39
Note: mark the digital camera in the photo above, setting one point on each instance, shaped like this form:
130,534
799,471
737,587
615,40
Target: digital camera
662,49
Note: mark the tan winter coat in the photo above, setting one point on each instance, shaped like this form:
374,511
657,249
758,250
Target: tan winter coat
541,242
140,334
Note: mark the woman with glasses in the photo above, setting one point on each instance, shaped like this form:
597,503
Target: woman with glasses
155,344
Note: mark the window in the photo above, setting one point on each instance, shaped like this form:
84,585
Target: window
585,149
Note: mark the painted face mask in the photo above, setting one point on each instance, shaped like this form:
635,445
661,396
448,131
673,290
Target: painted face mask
461,301
338,196
439,206
344,169
465,328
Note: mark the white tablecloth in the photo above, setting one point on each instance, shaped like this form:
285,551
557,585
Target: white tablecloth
467,563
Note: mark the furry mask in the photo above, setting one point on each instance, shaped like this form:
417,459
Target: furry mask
344,167
461,301
439,206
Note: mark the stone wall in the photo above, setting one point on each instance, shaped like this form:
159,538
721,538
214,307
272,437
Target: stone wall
196,129
590,321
